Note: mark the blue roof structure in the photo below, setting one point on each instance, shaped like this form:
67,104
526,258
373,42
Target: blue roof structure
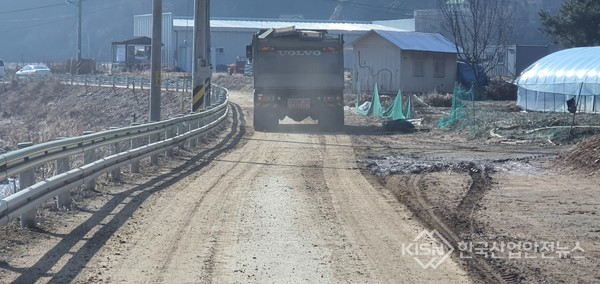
414,41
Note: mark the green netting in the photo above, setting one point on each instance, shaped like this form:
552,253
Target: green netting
456,112
375,108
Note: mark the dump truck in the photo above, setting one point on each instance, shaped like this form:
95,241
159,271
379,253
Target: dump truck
298,74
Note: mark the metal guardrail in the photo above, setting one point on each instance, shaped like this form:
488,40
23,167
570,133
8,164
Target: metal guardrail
175,84
172,133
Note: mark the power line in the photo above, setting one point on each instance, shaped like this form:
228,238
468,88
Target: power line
33,8
45,21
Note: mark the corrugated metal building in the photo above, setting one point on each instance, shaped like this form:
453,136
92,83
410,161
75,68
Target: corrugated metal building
142,26
407,61
229,36
513,59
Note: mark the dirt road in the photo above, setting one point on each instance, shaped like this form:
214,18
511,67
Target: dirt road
285,207
290,206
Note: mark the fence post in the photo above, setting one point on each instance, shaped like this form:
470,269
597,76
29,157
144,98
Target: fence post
89,156
27,179
63,200
135,143
116,173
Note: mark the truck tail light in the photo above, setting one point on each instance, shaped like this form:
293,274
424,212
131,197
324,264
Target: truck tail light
330,48
266,48
263,98
332,99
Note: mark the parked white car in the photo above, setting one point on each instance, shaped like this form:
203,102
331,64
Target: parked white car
33,70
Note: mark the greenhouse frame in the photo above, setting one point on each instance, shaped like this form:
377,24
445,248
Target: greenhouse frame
550,82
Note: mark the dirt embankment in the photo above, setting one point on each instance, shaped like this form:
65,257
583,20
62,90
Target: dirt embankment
42,111
583,157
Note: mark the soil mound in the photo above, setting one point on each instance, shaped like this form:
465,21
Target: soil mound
585,156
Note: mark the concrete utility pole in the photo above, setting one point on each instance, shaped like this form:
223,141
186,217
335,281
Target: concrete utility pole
155,87
78,4
201,72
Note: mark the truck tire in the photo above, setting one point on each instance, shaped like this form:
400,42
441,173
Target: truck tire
332,120
265,122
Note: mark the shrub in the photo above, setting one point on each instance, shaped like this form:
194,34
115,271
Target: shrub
501,90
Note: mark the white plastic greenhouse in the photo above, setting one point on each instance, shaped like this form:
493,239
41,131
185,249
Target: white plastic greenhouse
548,83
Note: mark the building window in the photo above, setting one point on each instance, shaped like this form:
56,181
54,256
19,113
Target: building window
439,68
501,57
219,50
419,68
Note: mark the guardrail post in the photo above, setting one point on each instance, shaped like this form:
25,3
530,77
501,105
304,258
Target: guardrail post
27,179
85,80
151,139
135,143
89,156
203,123
177,85
63,200
116,173
127,82
191,126
113,82
180,130
170,133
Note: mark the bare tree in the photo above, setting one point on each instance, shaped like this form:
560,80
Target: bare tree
481,30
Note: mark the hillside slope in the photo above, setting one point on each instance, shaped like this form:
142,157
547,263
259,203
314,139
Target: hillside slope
41,111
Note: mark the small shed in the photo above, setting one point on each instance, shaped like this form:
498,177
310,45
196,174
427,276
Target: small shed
131,54
407,61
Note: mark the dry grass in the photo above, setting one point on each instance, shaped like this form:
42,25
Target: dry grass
438,99
43,111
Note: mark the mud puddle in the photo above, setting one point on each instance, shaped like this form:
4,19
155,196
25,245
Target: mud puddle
402,164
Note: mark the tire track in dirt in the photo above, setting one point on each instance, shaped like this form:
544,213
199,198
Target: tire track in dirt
189,217
413,195
114,250
378,223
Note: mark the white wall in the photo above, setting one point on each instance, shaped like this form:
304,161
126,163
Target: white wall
376,61
429,81
379,61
